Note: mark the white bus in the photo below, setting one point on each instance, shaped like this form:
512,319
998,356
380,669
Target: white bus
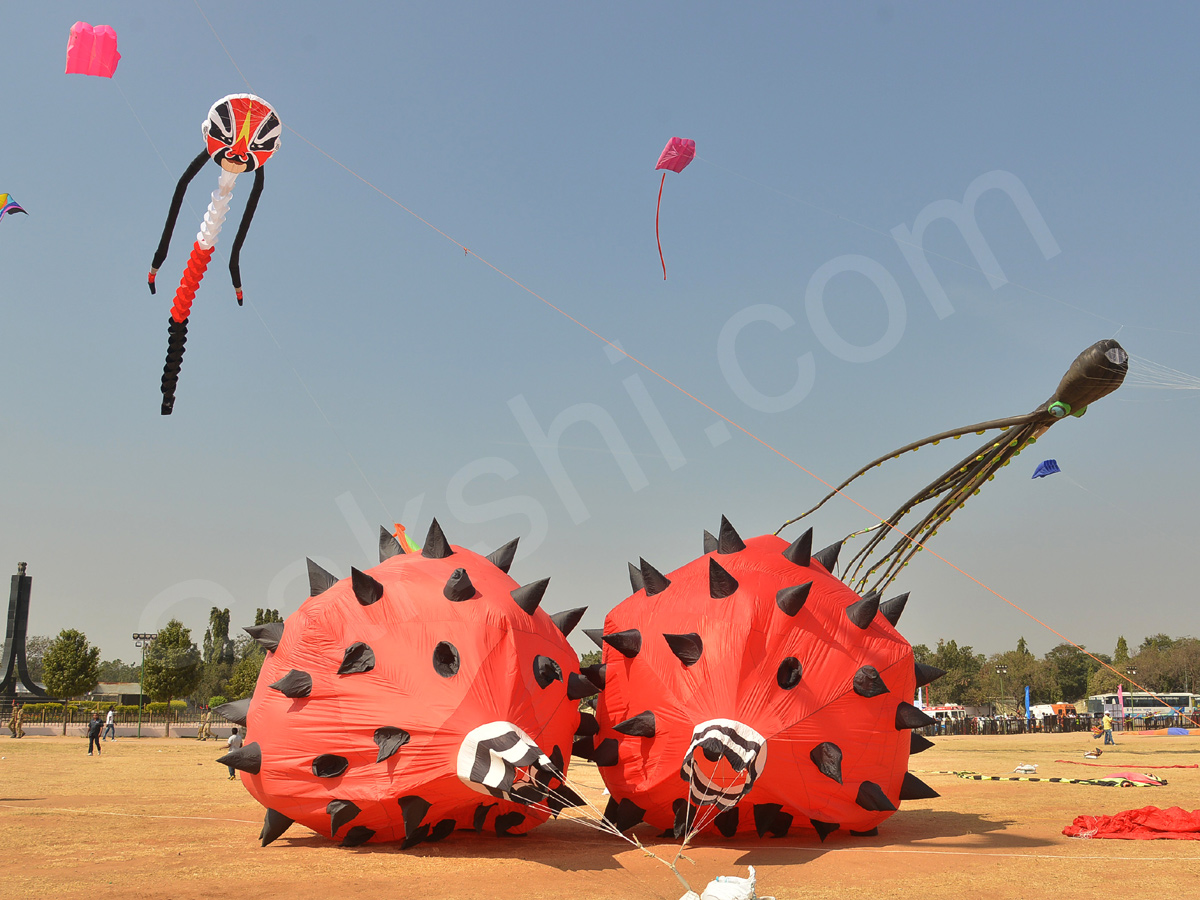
1141,703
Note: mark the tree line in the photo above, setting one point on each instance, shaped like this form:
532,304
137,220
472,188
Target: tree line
224,668
1066,674
220,669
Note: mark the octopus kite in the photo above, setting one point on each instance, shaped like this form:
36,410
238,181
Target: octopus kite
241,133
1094,374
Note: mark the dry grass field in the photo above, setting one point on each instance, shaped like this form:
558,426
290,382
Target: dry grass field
157,818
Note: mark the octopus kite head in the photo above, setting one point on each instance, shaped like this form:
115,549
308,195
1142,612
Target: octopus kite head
1095,373
242,132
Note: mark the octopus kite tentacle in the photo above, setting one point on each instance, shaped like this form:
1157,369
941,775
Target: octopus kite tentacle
164,243
235,255
1096,372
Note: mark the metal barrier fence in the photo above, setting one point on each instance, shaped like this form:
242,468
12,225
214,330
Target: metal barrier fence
980,725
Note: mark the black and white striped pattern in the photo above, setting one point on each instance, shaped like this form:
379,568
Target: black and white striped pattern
502,760
740,745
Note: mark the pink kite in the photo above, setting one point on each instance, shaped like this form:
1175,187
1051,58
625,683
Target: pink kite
675,157
92,51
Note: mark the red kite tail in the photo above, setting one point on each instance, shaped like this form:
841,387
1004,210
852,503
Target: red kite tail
656,237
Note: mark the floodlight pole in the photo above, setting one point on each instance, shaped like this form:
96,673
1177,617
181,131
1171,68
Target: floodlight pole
143,641
1002,671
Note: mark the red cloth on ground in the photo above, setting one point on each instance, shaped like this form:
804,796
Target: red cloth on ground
1146,824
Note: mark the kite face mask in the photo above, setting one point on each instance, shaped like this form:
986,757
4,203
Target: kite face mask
735,755
241,132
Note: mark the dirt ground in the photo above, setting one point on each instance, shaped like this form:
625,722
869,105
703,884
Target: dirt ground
157,818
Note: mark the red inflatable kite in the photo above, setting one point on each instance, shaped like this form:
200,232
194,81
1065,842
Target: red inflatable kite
675,158
427,694
751,690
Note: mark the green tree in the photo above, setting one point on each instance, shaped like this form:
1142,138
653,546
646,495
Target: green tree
1022,647
1072,670
591,658
172,665
71,666
115,670
1121,654
266,616
36,646
218,648
961,683
245,674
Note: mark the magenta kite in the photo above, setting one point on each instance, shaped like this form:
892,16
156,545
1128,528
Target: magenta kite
92,50
675,158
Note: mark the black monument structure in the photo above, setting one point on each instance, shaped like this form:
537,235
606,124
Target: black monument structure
14,665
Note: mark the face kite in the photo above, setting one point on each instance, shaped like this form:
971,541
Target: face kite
241,132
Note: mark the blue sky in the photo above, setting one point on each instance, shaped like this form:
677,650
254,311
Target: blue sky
377,373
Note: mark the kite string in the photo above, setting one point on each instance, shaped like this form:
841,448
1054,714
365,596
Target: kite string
657,239
650,370
989,275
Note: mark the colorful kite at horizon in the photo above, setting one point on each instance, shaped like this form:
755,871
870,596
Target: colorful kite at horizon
92,51
1046,467
241,133
674,158
9,205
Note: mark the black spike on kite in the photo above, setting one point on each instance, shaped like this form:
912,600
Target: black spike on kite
927,674
641,725
389,546
436,545
728,540
340,813
566,620
862,612
528,596
294,684
908,716
710,542
596,636
720,583
688,648
892,609
502,559
635,578
266,636
872,798
357,659
627,643
274,825
869,683
389,738
829,556
827,757
913,788
655,581
799,552
458,587
319,581
791,599
247,758
366,589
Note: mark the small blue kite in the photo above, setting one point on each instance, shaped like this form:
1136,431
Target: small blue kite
1046,467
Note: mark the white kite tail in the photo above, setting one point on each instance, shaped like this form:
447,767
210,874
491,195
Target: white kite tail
218,208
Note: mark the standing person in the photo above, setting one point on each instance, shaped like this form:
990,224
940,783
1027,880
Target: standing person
234,742
1106,724
94,727
110,726
19,716
205,731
